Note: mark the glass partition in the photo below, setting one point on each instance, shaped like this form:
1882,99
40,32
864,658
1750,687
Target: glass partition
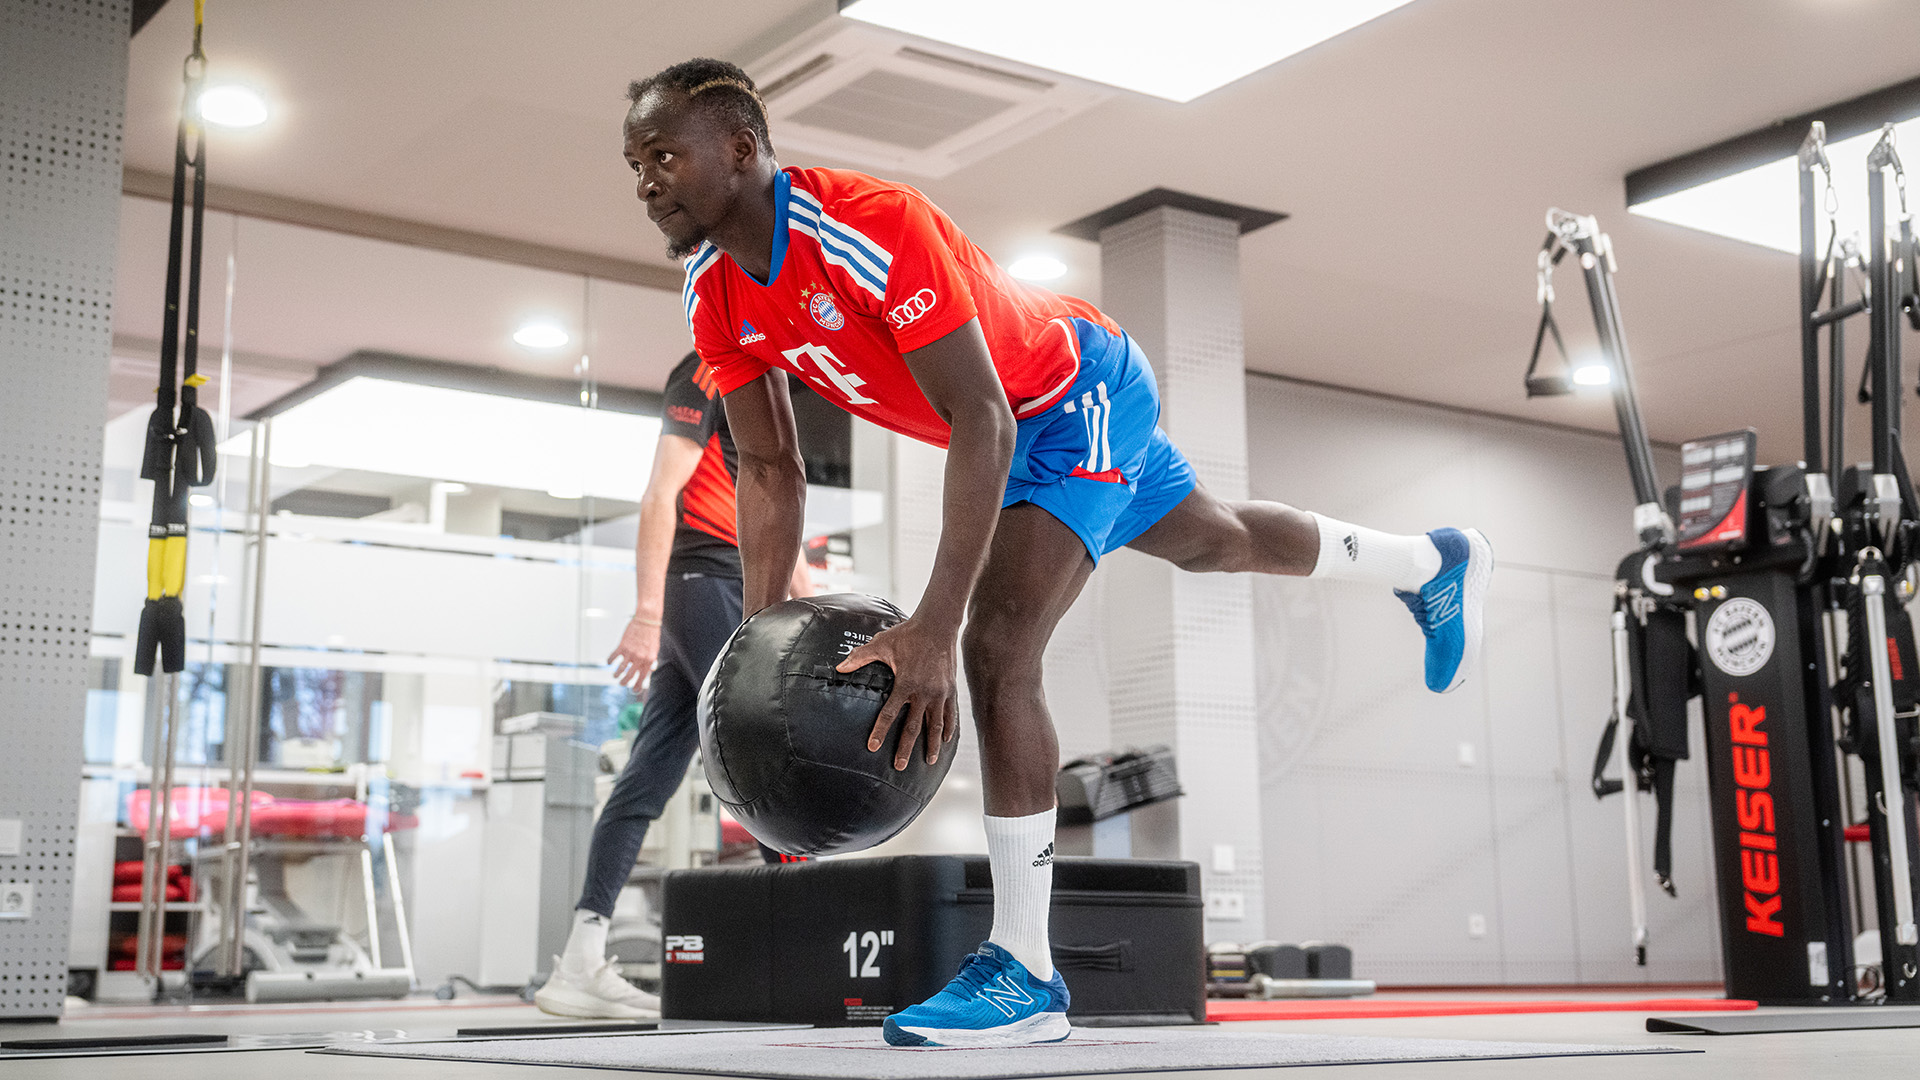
401,592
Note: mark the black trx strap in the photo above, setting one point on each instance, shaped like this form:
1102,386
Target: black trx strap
180,450
1664,677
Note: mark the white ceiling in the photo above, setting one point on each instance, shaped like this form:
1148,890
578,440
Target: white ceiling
1416,155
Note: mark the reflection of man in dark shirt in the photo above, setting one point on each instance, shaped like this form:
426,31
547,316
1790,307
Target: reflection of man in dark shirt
687,577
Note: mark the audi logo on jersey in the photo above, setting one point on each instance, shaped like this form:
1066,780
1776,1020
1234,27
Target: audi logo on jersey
912,308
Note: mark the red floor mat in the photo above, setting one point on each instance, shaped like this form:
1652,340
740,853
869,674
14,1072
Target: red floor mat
1374,1009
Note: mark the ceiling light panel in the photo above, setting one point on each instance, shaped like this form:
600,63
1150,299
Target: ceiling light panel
1177,53
1761,205
408,429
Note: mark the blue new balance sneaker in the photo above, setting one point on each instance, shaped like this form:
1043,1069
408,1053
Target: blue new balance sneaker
994,1001
1449,607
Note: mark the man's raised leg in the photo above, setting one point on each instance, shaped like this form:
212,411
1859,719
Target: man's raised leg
1441,576
1008,993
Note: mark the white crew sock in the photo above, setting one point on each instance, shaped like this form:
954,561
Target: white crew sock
586,944
1354,553
1020,850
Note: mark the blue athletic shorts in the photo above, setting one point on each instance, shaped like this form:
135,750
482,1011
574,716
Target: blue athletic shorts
1097,459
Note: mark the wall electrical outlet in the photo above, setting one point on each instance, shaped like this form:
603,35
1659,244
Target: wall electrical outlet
16,899
1226,905
1476,926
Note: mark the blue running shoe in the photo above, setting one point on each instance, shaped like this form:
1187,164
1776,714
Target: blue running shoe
1450,607
994,1001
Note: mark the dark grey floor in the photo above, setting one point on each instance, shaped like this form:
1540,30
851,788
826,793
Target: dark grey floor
1755,1057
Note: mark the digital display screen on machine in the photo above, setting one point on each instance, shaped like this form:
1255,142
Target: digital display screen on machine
1715,473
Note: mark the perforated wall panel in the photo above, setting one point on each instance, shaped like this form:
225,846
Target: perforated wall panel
1181,656
63,70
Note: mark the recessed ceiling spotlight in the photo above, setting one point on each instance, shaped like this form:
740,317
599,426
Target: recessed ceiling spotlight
234,106
1037,268
541,335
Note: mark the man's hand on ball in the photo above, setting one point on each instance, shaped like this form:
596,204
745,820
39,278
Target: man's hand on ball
924,699
634,657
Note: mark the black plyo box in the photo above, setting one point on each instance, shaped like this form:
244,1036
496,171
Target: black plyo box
848,941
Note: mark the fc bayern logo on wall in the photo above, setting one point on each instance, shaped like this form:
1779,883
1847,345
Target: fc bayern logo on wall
823,312
1739,637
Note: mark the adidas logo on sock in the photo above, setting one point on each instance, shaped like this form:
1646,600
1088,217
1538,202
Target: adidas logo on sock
1046,857
1353,547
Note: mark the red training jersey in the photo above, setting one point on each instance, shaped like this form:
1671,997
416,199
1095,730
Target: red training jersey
863,271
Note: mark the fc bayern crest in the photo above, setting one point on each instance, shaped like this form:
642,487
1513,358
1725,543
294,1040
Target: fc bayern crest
1739,637
823,312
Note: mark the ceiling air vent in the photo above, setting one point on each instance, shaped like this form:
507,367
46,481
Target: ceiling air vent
862,95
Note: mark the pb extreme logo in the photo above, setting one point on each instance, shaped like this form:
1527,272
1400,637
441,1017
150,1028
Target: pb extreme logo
686,949
1739,637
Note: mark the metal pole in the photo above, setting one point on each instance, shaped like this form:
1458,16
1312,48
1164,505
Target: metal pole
1629,790
1892,791
263,502
1813,153
151,944
233,894
399,903
1582,235
1837,383
373,905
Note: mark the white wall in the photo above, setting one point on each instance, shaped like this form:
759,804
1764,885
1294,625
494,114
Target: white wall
1392,814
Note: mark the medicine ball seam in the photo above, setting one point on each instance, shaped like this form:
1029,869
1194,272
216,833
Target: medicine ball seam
719,679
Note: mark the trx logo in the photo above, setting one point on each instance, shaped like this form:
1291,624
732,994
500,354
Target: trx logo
1352,543
1759,859
1046,857
1002,994
686,949
1893,661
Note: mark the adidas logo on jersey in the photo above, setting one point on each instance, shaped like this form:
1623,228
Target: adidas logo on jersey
1046,857
748,335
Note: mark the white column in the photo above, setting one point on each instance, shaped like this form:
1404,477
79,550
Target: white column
1182,658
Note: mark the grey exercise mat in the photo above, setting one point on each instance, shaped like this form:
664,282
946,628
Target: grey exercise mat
860,1054
1848,1018
30,1046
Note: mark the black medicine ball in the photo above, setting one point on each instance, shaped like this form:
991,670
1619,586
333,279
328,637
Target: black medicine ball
784,735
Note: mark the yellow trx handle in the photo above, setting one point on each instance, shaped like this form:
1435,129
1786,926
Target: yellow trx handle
156,563
173,578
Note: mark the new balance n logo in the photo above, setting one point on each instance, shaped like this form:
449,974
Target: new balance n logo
1046,857
1002,994
1443,606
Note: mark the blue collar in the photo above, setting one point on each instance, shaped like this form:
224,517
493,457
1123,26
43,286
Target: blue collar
782,185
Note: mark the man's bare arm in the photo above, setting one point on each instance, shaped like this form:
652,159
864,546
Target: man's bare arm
674,459
957,376
771,494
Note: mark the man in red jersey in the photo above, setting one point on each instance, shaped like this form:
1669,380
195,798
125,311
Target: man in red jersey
1049,413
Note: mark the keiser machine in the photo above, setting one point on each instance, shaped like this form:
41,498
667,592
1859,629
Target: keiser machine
1777,596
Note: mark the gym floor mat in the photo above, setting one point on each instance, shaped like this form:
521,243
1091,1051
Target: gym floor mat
860,1054
1376,1009
23,1049
1838,1018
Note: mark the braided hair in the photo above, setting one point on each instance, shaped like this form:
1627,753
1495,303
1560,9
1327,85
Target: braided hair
714,85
